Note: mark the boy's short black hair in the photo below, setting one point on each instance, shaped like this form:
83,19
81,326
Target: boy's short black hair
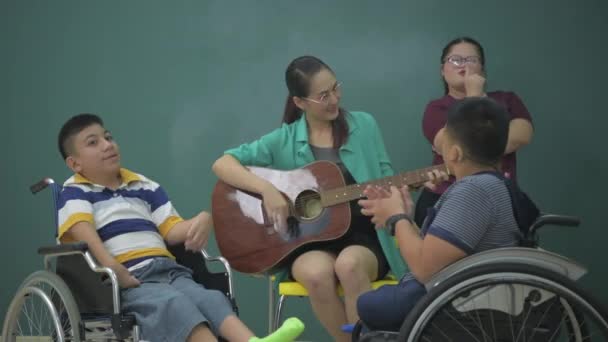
481,126
72,127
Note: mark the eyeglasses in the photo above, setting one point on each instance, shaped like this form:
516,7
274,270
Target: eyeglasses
323,97
459,61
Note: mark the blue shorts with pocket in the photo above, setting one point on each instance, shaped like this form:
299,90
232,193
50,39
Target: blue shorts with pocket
169,303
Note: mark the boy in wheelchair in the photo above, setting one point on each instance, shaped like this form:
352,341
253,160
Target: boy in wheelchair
475,214
126,219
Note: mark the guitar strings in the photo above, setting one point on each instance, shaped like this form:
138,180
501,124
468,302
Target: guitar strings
348,190
394,179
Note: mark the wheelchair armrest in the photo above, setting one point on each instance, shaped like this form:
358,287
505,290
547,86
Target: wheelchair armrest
82,248
64,248
216,259
557,220
225,264
41,185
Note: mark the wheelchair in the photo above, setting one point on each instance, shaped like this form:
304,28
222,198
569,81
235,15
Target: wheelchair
76,299
508,294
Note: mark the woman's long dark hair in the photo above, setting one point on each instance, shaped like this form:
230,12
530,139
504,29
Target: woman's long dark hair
448,48
297,77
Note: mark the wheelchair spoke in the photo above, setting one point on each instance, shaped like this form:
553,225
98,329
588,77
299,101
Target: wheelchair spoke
556,332
589,335
572,333
65,323
38,307
480,326
27,322
31,319
19,329
492,318
587,338
44,309
524,304
511,326
40,315
44,318
441,332
541,320
36,319
522,326
462,326
477,323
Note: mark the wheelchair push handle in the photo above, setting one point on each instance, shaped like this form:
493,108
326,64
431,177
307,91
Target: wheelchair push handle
556,220
561,220
41,185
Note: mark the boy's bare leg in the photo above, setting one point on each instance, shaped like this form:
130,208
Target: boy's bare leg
233,329
201,333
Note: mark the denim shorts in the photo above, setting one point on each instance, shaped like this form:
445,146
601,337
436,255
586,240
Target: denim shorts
169,303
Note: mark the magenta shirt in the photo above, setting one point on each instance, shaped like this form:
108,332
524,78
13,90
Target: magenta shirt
435,117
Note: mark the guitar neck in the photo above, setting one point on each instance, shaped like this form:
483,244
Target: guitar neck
348,193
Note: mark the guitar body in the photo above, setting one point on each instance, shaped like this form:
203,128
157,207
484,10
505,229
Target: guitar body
247,238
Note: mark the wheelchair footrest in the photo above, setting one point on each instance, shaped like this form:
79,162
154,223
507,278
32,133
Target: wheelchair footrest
379,336
122,325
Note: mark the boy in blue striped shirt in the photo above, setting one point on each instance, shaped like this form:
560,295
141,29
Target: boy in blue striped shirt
126,219
473,215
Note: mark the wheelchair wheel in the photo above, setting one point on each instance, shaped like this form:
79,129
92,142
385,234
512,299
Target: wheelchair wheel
43,307
510,302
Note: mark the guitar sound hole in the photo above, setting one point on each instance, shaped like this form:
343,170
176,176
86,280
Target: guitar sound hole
308,205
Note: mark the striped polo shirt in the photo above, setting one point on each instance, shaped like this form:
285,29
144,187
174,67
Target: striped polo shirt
475,214
132,220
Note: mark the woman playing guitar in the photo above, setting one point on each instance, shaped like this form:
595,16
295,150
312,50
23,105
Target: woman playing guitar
315,127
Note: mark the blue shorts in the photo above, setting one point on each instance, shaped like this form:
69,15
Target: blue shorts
169,303
386,307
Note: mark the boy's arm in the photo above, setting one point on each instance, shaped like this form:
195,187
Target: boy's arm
194,233
427,256
424,256
84,231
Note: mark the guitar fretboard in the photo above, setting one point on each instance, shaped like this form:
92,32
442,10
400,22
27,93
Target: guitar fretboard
351,192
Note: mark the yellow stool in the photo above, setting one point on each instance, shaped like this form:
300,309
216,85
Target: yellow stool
295,289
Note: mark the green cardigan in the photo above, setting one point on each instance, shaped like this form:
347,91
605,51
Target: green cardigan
364,155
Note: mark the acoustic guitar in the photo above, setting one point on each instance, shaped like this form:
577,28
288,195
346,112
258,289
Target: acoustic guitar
319,211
